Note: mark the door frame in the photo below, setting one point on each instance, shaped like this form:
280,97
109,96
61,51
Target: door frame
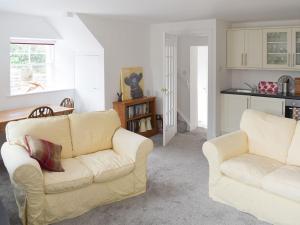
214,96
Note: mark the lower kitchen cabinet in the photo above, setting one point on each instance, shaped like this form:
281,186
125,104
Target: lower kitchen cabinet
275,106
233,106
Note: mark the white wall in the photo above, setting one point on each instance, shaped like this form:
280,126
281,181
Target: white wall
125,44
78,38
22,26
183,83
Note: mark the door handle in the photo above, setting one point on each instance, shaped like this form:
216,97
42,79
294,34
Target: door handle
245,59
282,109
242,59
164,90
294,60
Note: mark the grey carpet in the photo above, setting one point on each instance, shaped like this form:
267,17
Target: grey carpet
176,195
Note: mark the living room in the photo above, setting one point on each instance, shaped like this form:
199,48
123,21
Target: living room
156,112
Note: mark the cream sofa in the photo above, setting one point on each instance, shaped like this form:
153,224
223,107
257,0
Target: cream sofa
103,163
257,169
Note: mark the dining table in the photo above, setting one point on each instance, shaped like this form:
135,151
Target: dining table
7,116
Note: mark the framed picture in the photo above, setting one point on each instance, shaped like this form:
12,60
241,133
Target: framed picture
132,83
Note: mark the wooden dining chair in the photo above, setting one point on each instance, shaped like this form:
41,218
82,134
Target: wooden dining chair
43,111
67,102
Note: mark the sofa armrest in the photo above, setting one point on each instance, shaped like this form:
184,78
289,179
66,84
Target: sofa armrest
131,144
223,148
137,148
28,182
23,170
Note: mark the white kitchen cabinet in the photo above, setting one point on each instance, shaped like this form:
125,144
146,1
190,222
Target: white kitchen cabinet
232,108
264,48
277,48
253,49
296,48
244,48
235,48
275,106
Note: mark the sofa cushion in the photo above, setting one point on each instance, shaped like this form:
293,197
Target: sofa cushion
93,131
75,176
284,181
268,135
249,168
46,153
54,129
294,150
107,165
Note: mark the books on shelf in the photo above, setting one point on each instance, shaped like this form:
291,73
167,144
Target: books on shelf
136,110
133,125
140,125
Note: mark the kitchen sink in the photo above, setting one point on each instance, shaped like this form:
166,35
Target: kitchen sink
241,90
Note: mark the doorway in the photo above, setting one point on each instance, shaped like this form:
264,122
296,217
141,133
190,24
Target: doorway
198,86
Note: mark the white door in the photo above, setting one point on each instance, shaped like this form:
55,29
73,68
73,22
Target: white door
275,106
253,48
235,48
89,83
170,88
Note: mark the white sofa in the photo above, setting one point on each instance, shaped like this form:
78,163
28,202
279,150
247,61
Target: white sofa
257,169
103,163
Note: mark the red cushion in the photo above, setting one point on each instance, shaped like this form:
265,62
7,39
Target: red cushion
46,153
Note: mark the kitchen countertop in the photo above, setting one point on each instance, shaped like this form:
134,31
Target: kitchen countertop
262,94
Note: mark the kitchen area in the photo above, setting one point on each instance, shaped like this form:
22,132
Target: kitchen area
265,69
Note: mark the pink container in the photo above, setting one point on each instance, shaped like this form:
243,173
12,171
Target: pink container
268,86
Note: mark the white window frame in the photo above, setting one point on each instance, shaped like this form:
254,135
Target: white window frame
50,64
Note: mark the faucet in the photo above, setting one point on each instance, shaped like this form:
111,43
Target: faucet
253,88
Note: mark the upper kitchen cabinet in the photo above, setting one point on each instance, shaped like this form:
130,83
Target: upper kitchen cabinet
235,48
277,48
244,48
296,48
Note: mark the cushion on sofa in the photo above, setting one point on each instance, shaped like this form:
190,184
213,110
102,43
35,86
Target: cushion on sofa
268,135
107,165
54,129
46,153
284,181
249,168
294,150
75,176
93,131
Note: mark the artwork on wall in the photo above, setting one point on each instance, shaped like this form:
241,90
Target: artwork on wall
132,83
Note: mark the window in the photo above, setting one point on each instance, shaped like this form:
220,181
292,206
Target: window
31,66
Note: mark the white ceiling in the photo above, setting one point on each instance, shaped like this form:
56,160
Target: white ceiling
164,10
